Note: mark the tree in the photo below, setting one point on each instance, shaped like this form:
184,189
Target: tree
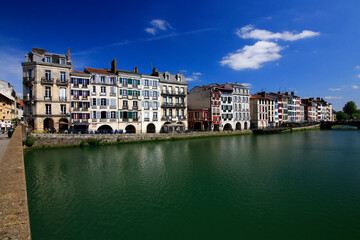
350,108
341,115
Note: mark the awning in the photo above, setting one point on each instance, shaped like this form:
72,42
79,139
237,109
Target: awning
85,124
64,123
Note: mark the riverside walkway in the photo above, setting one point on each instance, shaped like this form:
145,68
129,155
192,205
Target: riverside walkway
14,215
4,141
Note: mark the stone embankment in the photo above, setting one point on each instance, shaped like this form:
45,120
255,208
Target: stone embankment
48,140
14,215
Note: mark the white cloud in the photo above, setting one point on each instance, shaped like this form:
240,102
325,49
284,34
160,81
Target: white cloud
252,57
333,97
194,77
10,66
357,67
158,25
355,86
250,32
246,84
334,89
359,76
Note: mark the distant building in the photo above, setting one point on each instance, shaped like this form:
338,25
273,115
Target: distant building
7,101
262,111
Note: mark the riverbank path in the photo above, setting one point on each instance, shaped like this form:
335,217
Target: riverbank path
4,141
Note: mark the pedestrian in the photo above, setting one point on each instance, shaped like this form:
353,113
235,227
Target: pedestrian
2,124
8,126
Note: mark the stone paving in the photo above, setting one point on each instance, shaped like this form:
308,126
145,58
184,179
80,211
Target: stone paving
14,215
4,141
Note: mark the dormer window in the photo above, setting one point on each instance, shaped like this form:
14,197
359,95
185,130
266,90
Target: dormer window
62,60
179,78
47,59
167,77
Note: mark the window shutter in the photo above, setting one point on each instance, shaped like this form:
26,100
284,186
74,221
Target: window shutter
107,102
116,115
121,114
129,81
143,104
150,83
80,104
98,101
98,114
139,92
72,92
120,81
120,91
80,115
130,92
138,82
72,116
130,115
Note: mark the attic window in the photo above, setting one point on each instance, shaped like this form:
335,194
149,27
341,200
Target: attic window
179,78
167,77
62,60
47,59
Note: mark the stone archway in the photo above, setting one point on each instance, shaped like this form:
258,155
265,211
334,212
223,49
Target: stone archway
130,129
150,128
48,124
227,127
63,124
238,126
246,126
105,128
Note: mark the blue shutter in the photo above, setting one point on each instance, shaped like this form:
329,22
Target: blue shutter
116,114
80,104
98,114
107,115
80,115
72,92
72,104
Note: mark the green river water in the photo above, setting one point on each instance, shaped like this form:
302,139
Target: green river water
303,185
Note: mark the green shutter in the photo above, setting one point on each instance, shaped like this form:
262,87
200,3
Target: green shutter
121,114
120,80
130,92
130,114
120,91
129,81
138,82
138,93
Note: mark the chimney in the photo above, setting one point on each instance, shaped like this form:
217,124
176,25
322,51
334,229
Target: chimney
278,92
154,72
113,66
136,70
68,55
292,93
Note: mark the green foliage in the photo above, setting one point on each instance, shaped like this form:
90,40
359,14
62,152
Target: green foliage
356,115
15,122
29,141
350,108
341,115
94,142
118,139
82,143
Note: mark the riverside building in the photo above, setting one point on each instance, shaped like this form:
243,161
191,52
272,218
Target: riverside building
46,89
262,109
8,102
173,101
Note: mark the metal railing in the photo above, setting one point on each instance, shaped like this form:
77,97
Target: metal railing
45,80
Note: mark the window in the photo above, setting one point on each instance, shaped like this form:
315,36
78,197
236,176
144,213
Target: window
170,100
103,89
146,105
76,116
164,99
47,59
170,89
124,82
176,90
47,74
155,115
62,94
63,108
135,104
182,100
125,92
85,116
135,83
125,103
103,115
176,99
146,83
47,108
102,79
113,80
167,77
146,94
155,84
135,115
112,114
94,101
62,76
182,91
94,115
177,112
170,112
29,72
164,112
146,115
62,60
182,112
94,89
103,102
48,92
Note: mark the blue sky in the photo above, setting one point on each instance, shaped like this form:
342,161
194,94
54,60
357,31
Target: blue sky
310,47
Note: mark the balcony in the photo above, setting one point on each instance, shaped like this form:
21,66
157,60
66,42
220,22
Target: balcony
76,109
112,107
47,81
28,98
146,119
76,97
146,108
84,86
61,82
47,98
84,97
125,107
166,105
102,94
103,120
171,93
75,86
125,96
135,107
103,107
182,117
85,120
85,109
135,96
29,80
94,120
155,119
135,119
113,119
93,94
155,98
112,94
62,99
179,105
146,97
155,108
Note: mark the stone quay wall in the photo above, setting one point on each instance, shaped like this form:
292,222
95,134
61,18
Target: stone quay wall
47,140
14,214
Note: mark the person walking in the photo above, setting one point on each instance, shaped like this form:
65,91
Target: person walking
8,126
2,124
